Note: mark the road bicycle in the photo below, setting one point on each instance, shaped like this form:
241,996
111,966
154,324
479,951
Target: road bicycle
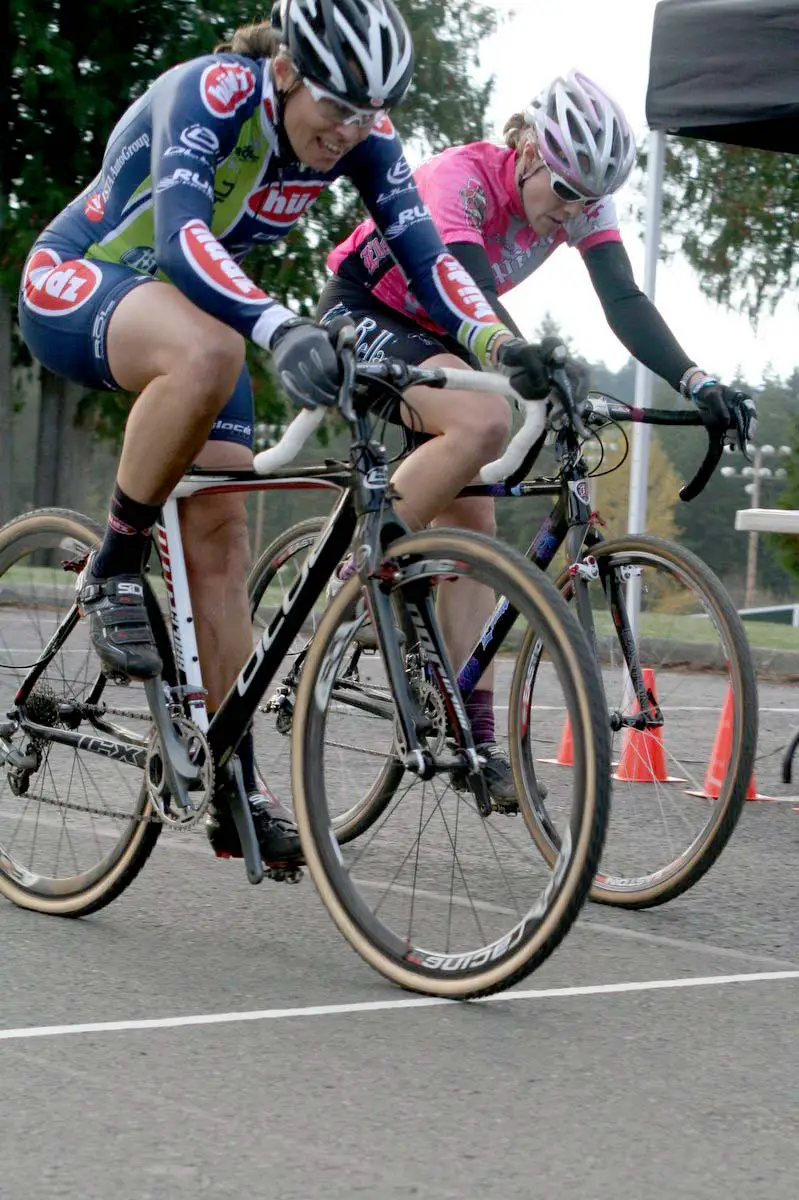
680,686
441,895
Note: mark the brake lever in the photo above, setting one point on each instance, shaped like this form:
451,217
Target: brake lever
563,384
345,349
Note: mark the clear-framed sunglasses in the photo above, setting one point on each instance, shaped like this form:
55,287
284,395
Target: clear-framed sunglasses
340,112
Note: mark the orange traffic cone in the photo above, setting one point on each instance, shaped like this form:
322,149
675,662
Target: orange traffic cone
565,756
643,755
720,758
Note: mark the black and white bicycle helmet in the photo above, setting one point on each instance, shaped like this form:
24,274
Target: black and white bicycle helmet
358,50
583,135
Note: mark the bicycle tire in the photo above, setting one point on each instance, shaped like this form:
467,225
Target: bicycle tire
646,889
295,542
540,929
79,895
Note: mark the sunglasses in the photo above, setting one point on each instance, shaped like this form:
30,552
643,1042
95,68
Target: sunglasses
564,191
339,112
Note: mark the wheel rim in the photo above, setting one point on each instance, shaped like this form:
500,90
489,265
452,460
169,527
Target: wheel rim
65,824
448,896
677,789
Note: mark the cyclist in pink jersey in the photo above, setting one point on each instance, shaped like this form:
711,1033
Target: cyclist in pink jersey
501,211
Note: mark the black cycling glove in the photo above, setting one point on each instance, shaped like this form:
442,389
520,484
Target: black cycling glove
526,367
306,363
723,408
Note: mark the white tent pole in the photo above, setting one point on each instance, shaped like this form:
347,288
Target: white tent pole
639,465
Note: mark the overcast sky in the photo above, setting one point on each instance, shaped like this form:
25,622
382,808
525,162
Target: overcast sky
610,42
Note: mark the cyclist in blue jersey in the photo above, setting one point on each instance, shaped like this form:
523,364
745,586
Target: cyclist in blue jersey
137,284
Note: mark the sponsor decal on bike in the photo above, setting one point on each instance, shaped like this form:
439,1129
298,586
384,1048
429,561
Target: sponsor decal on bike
224,87
406,219
282,204
212,262
199,138
507,943
580,489
54,288
460,293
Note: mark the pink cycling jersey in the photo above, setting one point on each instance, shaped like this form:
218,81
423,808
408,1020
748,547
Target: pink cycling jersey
472,196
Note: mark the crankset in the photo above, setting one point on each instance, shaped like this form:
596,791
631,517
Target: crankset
179,770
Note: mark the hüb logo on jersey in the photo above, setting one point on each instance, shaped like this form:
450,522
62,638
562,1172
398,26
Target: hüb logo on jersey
55,288
459,292
383,127
282,204
94,208
214,265
224,87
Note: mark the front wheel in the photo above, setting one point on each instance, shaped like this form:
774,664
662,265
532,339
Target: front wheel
679,785
437,896
359,696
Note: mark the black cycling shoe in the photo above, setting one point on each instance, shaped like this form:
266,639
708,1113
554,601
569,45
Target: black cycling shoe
120,627
274,828
498,775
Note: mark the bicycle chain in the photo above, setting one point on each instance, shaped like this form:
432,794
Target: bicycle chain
145,818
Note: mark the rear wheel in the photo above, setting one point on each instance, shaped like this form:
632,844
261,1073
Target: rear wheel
76,826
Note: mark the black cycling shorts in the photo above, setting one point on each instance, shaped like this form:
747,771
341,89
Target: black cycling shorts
382,331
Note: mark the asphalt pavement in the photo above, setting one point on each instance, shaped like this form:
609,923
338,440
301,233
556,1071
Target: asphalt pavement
654,1052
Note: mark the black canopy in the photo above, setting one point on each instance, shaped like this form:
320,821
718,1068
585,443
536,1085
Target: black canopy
727,71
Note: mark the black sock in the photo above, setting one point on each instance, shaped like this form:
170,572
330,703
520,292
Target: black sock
126,536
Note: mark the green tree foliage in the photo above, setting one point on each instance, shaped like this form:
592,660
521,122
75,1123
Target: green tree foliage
734,214
75,67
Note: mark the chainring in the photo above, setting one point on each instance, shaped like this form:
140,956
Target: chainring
195,743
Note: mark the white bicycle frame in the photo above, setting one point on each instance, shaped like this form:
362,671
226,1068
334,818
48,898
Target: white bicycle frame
170,541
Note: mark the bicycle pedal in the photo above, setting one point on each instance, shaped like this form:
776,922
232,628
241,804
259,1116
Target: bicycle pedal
284,874
119,678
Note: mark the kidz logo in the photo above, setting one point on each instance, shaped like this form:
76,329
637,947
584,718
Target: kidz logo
55,289
460,293
474,203
282,204
224,87
214,265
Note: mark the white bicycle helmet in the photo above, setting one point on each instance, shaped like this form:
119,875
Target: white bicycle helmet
358,50
583,135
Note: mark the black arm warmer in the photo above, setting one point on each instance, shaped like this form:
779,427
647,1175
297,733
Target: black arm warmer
632,316
474,258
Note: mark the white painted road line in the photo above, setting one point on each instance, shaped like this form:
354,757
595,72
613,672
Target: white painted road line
332,1010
